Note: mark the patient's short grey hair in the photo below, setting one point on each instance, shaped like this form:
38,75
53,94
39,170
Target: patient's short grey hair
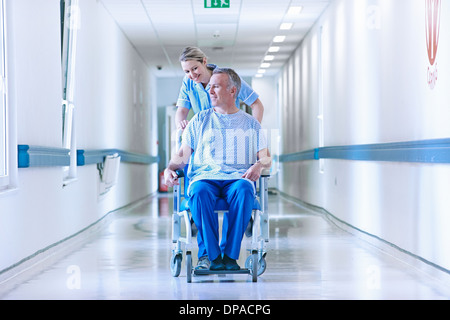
192,53
233,78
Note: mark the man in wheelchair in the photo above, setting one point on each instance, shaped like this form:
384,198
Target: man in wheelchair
226,151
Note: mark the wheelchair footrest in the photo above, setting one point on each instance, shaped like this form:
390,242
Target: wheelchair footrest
203,272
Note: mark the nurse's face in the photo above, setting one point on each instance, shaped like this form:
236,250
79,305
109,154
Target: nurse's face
196,71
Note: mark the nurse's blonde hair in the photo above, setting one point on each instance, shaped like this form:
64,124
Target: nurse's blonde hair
192,53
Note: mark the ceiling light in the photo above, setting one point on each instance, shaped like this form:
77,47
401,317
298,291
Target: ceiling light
269,58
286,26
259,75
261,71
279,38
265,65
294,10
274,49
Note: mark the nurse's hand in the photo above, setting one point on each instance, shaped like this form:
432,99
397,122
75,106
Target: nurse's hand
182,124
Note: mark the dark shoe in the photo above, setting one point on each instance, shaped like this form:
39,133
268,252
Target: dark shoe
217,264
230,264
249,231
203,263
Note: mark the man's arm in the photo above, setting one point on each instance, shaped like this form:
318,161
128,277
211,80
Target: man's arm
179,160
264,162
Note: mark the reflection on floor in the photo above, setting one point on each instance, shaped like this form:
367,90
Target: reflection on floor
308,258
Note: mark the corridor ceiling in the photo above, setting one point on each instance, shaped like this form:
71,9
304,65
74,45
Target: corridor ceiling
238,36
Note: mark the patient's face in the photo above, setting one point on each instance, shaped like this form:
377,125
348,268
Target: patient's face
221,95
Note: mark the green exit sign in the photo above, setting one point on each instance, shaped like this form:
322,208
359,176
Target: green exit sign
217,3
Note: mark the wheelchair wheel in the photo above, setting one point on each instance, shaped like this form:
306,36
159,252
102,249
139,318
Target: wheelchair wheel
175,264
252,265
261,265
189,266
254,270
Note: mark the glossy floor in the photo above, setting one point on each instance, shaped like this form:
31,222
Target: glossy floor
308,258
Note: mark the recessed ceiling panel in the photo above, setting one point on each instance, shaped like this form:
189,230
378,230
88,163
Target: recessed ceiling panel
238,36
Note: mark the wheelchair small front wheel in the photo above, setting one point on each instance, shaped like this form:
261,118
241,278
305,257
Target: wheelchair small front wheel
261,264
188,267
254,269
175,264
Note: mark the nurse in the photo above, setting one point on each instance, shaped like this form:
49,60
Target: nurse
194,94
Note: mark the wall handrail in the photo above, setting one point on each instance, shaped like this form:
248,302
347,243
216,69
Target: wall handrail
38,156
422,151
86,157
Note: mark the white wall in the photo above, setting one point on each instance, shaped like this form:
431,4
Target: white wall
375,90
114,109
267,89
168,90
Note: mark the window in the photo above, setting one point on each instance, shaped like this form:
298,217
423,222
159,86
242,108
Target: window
70,21
320,116
4,148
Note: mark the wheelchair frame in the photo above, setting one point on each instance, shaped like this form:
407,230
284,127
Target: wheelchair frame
255,264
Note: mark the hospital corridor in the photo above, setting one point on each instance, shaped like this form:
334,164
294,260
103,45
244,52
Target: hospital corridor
335,111
309,258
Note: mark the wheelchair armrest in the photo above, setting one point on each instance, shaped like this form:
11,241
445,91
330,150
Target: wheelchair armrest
265,173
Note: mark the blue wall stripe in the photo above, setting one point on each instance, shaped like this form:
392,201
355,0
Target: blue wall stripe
86,157
23,156
299,156
36,156
424,151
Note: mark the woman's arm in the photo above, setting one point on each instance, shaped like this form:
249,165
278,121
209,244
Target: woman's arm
180,117
257,110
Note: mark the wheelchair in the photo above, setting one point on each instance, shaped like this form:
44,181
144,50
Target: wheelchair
255,264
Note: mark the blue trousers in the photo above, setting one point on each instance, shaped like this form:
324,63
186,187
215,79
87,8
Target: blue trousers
239,195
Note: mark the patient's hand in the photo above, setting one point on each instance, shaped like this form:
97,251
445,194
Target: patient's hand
171,178
254,172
